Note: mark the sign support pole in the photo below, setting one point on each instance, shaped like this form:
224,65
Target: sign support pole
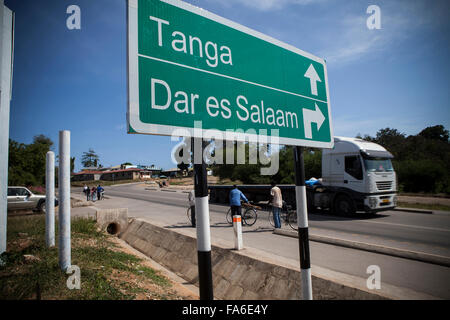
50,200
64,200
302,220
202,219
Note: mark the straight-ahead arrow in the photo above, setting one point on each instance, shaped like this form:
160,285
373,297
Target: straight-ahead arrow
310,116
311,73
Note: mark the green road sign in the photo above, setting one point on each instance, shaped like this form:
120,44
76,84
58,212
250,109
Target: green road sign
187,66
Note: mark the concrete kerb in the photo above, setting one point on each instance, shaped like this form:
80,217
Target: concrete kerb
406,254
413,210
269,279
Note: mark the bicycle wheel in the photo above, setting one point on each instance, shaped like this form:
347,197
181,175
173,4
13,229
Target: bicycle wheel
292,220
250,216
271,221
188,212
229,217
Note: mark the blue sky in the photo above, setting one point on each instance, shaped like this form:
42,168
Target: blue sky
75,80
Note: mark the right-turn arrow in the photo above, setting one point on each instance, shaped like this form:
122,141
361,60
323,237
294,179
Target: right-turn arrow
310,116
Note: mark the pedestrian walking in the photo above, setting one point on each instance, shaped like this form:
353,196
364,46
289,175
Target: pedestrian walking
100,190
86,192
93,193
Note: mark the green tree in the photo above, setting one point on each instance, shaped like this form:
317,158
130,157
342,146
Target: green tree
422,161
90,159
435,133
27,162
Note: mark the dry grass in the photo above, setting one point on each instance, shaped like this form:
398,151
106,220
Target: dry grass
108,272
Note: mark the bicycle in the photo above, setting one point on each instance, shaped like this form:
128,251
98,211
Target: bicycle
287,216
188,212
249,217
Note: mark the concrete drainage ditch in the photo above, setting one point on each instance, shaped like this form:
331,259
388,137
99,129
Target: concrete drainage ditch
235,274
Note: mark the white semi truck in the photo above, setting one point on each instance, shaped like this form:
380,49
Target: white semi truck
357,175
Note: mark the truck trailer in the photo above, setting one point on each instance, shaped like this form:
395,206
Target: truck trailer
357,175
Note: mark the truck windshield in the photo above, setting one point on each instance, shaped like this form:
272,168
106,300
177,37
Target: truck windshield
378,164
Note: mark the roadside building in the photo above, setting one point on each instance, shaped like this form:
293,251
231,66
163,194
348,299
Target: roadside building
125,174
174,172
88,175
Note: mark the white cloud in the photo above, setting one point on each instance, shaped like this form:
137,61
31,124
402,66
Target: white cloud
351,40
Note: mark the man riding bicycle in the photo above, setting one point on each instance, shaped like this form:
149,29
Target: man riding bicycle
236,196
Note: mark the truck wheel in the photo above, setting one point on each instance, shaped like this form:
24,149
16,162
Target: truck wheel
344,206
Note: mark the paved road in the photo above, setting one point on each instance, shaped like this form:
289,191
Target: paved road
411,231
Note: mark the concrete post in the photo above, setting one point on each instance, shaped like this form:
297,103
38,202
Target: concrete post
6,32
4,136
50,200
64,200
237,226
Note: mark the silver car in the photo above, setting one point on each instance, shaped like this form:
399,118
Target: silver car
20,198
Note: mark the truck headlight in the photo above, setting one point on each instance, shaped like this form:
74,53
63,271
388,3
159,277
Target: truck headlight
373,203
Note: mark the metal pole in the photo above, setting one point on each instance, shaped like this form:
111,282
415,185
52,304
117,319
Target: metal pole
50,200
64,200
4,141
302,220
203,228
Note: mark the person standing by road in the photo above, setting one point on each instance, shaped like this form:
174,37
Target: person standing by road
236,196
191,197
93,192
86,192
100,190
277,203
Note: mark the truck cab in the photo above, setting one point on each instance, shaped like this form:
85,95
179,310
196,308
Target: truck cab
357,175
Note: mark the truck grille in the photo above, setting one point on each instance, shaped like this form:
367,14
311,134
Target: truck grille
384,185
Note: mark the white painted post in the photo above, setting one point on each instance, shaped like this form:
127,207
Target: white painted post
64,200
6,49
4,136
237,226
50,200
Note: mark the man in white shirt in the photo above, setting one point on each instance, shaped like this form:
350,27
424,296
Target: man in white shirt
277,204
